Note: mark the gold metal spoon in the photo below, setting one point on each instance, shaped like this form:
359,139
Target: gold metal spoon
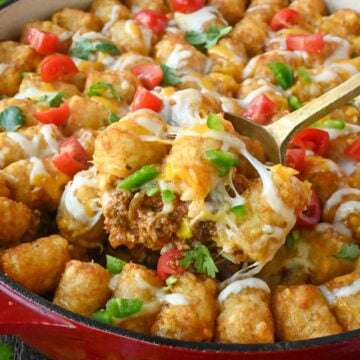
276,136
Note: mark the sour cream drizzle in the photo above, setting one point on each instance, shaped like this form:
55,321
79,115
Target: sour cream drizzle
332,295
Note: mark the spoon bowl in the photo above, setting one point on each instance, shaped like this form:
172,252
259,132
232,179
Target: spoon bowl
276,136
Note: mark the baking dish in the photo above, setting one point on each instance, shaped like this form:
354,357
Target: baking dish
63,335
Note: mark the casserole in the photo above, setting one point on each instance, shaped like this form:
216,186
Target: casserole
102,342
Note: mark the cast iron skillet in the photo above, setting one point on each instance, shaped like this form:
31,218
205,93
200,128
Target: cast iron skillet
32,299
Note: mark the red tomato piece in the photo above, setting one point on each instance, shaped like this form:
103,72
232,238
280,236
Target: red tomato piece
144,99
311,214
187,6
43,42
155,21
295,158
168,264
150,75
311,43
313,139
56,116
56,66
260,110
353,150
284,18
72,157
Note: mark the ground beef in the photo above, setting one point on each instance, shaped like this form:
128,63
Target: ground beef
131,221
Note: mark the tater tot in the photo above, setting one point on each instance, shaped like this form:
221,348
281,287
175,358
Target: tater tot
37,265
4,190
130,59
186,316
137,282
301,312
324,175
174,51
310,10
35,182
83,288
16,220
26,106
79,217
75,19
341,23
343,296
233,10
23,57
10,80
129,35
109,10
237,301
117,147
124,83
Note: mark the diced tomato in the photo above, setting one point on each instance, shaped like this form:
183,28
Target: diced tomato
72,157
311,214
260,110
313,139
150,75
311,43
155,21
56,116
56,66
284,18
295,158
168,264
144,99
43,42
187,6
353,150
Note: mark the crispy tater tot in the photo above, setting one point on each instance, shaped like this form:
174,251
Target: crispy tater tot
40,141
83,288
109,10
343,23
301,312
37,265
23,57
233,10
117,147
124,83
16,221
35,182
156,5
128,35
186,316
310,10
174,51
79,217
324,175
26,106
75,19
10,80
237,301
343,296
137,282
4,190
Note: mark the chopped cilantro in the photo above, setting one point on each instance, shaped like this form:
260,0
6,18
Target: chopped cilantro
201,259
100,87
12,118
82,49
112,118
107,48
54,100
170,78
170,281
208,39
291,239
348,252
6,351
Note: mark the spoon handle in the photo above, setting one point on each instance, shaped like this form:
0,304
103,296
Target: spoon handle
283,129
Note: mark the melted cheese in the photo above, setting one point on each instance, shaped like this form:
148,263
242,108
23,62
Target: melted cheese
240,285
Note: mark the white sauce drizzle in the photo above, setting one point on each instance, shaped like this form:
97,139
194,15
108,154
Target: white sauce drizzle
179,59
336,198
345,209
115,11
341,52
238,286
332,295
38,170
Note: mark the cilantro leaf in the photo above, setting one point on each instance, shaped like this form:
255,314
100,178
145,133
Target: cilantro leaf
208,39
114,264
170,77
215,33
112,118
100,87
170,281
6,352
82,49
201,259
348,252
291,239
12,118
54,100
107,48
